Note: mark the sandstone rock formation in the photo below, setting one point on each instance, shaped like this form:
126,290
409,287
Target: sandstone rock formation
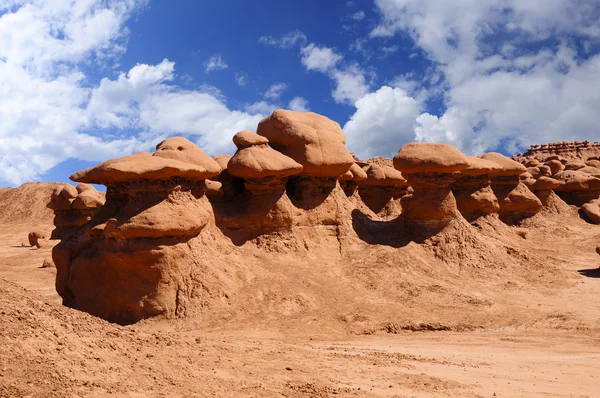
429,170
350,179
577,188
263,206
230,185
516,201
382,189
592,211
132,261
318,144
472,190
73,207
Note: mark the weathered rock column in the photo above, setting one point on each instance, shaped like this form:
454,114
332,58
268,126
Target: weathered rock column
429,170
472,189
516,201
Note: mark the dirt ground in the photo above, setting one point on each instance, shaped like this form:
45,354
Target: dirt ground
502,337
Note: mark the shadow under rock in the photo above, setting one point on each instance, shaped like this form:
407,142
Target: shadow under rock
590,273
389,233
246,217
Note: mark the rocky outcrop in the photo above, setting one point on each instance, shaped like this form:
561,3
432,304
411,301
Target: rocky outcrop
472,189
131,260
73,207
577,188
516,201
263,206
318,144
429,170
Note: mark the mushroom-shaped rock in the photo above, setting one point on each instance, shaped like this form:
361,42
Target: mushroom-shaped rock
543,187
135,245
313,140
382,189
263,168
142,166
425,157
515,199
474,196
184,150
577,188
349,180
429,170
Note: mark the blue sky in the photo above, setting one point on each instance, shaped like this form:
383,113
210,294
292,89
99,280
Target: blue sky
83,82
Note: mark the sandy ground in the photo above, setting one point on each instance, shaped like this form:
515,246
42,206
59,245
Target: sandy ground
63,352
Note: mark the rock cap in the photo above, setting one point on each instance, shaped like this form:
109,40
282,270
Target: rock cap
427,157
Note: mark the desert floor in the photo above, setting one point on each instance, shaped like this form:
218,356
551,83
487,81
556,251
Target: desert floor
49,350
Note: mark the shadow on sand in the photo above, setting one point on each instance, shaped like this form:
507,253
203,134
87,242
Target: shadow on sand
590,273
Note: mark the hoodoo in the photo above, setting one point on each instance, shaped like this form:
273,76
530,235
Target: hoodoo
429,170
382,190
474,195
315,142
516,201
73,207
349,180
263,206
132,261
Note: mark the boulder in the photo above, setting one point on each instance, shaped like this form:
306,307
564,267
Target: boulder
36,238
183,150
555,166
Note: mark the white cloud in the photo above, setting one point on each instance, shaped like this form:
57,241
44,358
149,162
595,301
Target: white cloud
288,40
383,122
51,111
275,91
503,84
298,104
350,84
215,62
321,59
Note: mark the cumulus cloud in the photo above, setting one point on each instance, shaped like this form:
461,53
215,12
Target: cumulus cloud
275,91
350,84
317,58
215,62
358,16
298,104
51,111
384,121
511,73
